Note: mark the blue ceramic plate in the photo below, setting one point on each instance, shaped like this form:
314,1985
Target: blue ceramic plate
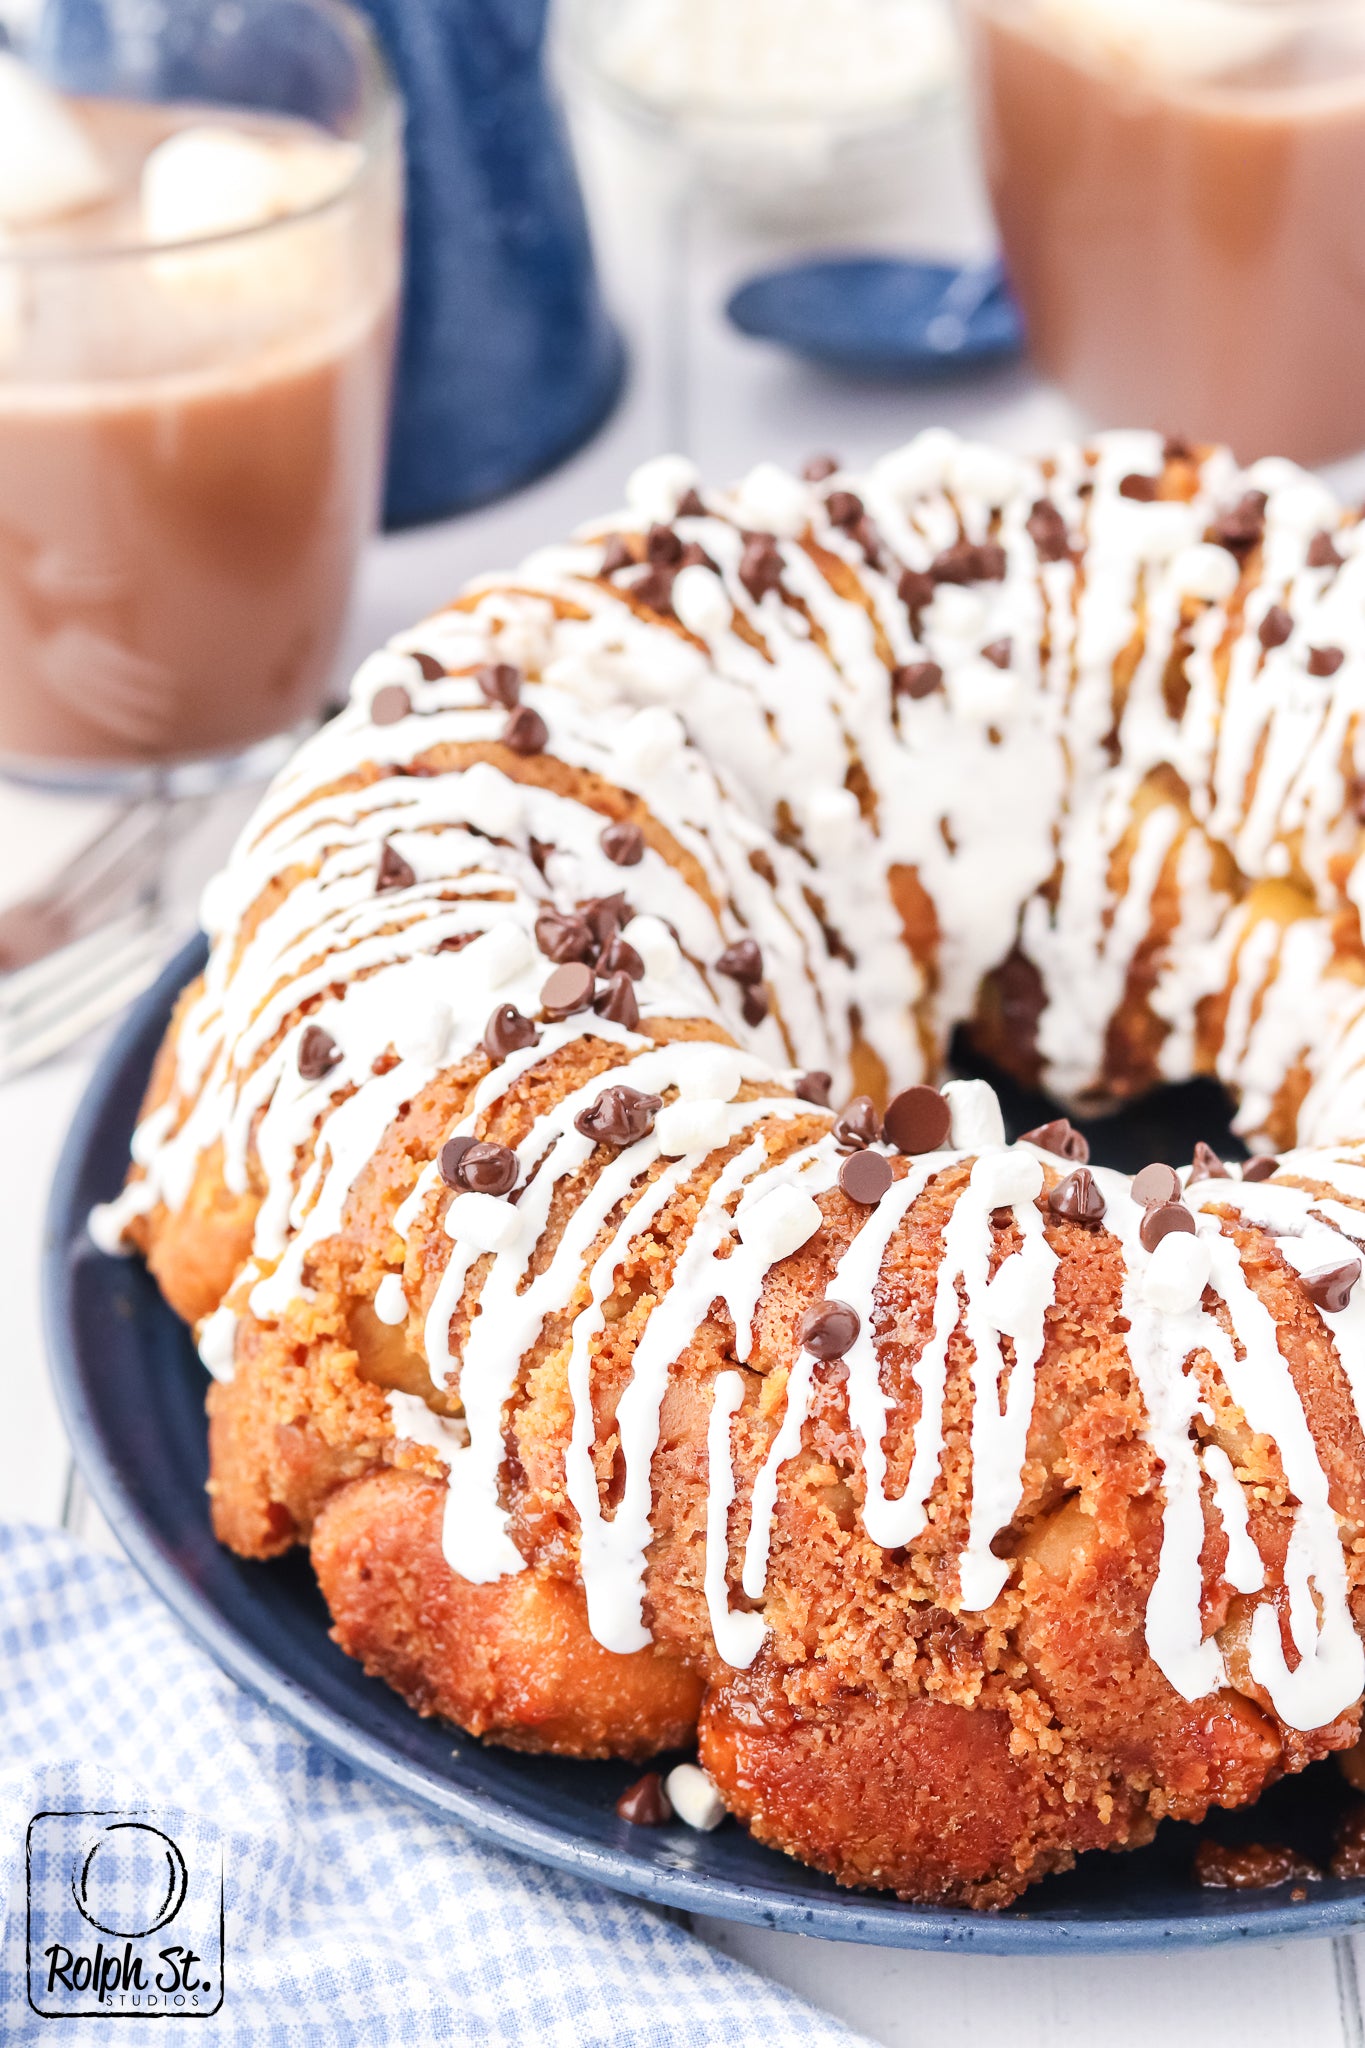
132,1393
883,316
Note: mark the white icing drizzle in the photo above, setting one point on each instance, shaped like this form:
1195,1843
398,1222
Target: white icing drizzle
1063,803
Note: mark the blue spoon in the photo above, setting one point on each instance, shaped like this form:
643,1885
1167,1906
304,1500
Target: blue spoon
883,315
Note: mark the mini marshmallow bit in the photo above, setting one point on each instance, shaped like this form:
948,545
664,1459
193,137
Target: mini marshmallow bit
700,601
1005,1179
390,1302
491,801
1163,529
655,490
210,180
499,955
830,819
977,1124
980,692
218,1342
648,742
779,1223
918,468
1306,507
1177,1273
49,166
685,1127
1206,571
771,500
955,613
711,1073
382,671
424,1035
485,1223
976,470
694,1798
656,946
105,1227
579,675
216,903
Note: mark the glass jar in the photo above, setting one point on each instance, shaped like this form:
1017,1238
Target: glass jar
1180,190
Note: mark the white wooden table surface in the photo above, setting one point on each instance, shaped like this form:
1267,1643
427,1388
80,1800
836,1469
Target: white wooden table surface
669,259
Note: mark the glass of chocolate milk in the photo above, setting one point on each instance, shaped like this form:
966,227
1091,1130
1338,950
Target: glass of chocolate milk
200,230
1180,189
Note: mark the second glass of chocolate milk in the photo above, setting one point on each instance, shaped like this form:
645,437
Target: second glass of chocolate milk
1180,189
196,320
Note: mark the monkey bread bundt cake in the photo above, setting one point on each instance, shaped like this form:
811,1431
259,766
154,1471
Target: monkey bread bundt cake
592,1273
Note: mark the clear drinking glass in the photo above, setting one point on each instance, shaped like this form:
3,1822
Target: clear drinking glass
192,421
1180,189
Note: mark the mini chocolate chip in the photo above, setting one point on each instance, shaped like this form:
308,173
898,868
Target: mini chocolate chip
1161,1219
1175,448
525,731
1156,1183
819,467
430,669
1275,628
1061,1137
568,990
1077,1199
1207,1165
606,915
917,1120
645,1804
1325,661
390,704
829,1329
619,1116
508,1031
755,1006
694,556
540,851
500,683
393,871
663,547
1047,531
741,962
917,679
690,505
620,957
615,556
1000,653
814,1087
617,1002
487,1169
857,1124
1141,488
1261,1167
563,935
969,562
760,566
1241,527
655,589
449,1157
865,1177
1330,1287
915,589
845,508
623,843
868,539
1322,552
318,1053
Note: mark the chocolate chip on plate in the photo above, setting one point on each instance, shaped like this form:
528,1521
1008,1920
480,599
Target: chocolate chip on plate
645,1804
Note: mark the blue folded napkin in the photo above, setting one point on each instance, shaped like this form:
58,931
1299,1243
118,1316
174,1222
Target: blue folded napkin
137,1780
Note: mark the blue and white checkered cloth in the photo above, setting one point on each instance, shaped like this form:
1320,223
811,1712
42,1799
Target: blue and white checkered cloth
351,1918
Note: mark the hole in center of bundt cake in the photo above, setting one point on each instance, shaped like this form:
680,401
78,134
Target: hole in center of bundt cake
1165,1124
